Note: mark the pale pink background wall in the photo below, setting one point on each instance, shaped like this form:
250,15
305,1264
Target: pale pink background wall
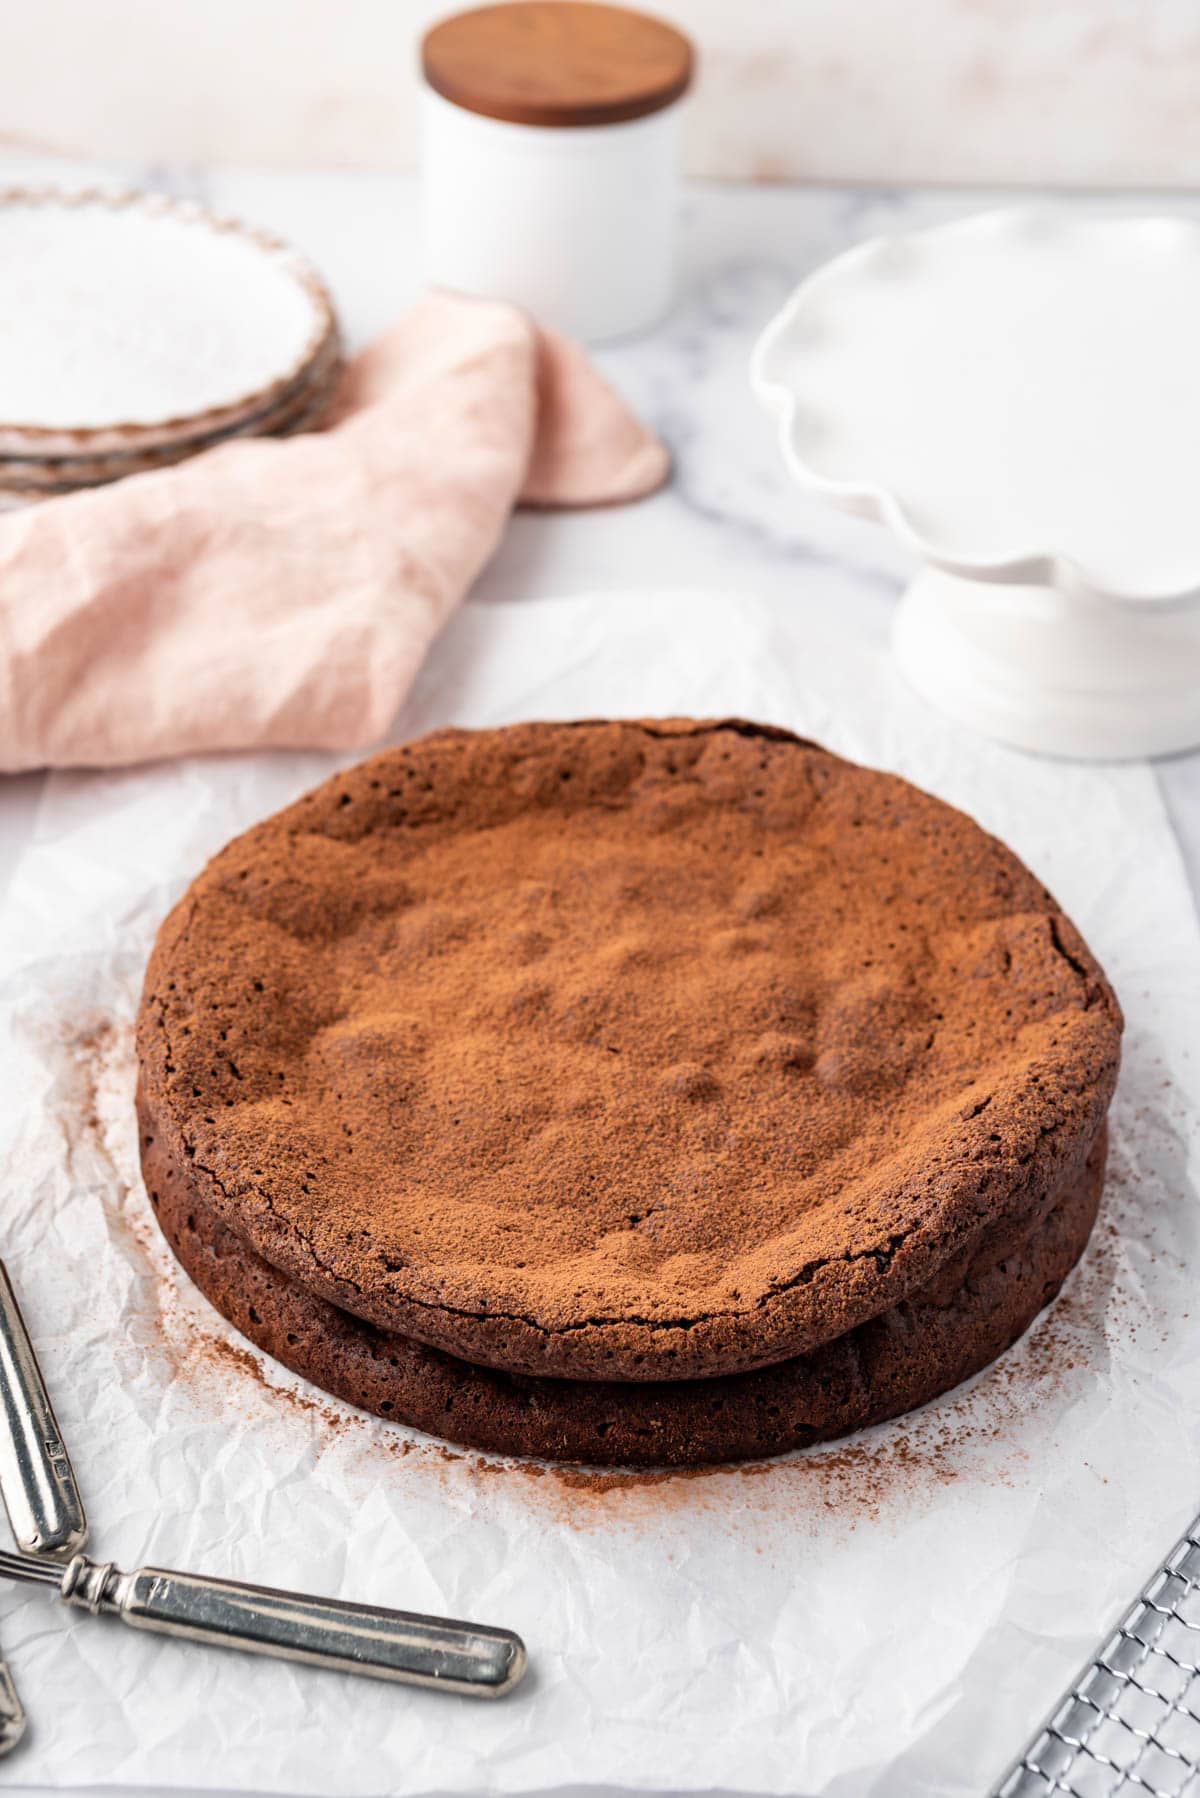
1078,91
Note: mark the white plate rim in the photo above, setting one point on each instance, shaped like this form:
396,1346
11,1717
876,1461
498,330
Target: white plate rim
1032,564
50,441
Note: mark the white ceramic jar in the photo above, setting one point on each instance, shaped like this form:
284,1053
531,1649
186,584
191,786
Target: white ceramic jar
550,160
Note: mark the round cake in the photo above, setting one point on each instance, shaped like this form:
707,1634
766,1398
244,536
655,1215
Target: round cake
549,1063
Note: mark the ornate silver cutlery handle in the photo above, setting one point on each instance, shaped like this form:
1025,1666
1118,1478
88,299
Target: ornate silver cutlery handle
325,1632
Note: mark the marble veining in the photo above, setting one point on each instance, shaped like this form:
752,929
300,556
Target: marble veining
1083,92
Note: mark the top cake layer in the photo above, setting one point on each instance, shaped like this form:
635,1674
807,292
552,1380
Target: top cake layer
622,1050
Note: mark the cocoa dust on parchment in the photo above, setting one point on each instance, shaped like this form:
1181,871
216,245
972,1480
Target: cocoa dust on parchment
976,1430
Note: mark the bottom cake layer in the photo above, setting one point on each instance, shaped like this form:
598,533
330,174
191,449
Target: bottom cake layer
909,1355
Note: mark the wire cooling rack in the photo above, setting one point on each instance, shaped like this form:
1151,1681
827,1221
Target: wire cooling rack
1130,1726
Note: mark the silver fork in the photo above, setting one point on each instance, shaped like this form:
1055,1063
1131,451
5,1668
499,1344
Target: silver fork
46,1512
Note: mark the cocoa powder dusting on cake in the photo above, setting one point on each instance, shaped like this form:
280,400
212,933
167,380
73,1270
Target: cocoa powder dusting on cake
634,1051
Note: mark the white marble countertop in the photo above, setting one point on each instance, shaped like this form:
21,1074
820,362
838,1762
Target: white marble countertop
730,518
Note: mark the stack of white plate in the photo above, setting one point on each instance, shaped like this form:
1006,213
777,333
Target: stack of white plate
136,330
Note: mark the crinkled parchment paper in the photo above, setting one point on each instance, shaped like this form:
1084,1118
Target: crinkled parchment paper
888,1617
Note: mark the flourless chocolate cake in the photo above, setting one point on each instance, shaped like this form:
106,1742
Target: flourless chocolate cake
607,1055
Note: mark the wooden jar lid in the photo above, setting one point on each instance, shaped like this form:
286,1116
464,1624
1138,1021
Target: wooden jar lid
557,62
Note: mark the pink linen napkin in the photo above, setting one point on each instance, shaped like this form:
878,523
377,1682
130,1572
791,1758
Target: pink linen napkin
283,593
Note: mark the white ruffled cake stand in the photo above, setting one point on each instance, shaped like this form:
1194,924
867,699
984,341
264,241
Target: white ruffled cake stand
1017,395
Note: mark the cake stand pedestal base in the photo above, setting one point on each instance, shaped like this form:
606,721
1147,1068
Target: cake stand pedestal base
1050,672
